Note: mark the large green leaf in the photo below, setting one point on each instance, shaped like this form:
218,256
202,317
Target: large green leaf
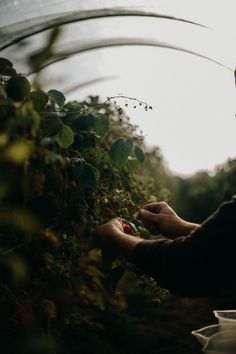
86,174
85,140
132,165
6,67
18,152
101,124
51,126
84,122
120,151
87,122
65,137
91,176
70,119
18,88
57,97
39,99
139,153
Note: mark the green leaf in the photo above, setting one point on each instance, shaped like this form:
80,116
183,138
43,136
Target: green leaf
94,100
18,217
51,126
2,91
85,122
66,137
57,97
78,122
120,151
48,143
18,152
18,88
5,63
86,174
85,140
93,155
132,165
6,67
139,153
27,118
52,158
91,176
101,124
39,99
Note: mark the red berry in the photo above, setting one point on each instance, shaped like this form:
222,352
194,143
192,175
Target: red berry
156,301
127,229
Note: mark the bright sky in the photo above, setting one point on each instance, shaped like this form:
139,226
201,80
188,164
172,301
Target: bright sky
193,103
193,117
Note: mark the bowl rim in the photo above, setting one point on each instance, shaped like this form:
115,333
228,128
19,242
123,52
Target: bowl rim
200,330
218,313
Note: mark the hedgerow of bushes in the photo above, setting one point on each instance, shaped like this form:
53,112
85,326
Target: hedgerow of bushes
65,167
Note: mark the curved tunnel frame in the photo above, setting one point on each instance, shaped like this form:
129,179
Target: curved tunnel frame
79,16
118,42
34,28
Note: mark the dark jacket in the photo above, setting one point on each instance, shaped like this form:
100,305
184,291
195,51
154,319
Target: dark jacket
200,264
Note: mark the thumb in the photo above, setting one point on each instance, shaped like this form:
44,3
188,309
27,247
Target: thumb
147,215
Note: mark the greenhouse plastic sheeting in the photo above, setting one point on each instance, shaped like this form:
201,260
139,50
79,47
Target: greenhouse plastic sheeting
90,30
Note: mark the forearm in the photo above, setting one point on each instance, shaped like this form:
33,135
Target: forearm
187,227
174,264
199,264
123,245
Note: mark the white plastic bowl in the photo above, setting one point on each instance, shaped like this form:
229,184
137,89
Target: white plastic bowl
205,333
223,342
226,317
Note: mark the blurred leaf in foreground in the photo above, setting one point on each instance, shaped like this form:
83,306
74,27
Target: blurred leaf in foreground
18,152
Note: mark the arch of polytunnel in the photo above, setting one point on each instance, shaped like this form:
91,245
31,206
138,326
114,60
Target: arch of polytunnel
144,49
91,30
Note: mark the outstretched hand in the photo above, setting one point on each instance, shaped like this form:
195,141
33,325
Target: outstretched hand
106,234
159,217
113,240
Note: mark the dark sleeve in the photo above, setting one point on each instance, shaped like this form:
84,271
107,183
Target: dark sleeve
200,264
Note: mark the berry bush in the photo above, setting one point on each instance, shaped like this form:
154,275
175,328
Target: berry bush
65,167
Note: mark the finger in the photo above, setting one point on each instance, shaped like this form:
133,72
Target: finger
155,207
148,216
117,222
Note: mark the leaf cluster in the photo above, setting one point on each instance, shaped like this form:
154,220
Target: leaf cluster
65,167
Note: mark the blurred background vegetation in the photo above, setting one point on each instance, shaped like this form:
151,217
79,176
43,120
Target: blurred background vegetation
66,167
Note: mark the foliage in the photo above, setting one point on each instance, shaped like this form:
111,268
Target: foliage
65,167
198,196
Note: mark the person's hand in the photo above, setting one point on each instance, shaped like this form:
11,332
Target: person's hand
159,217
113,240
106,234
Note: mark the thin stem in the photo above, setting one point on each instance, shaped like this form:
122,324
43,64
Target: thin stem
13,249
126,97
